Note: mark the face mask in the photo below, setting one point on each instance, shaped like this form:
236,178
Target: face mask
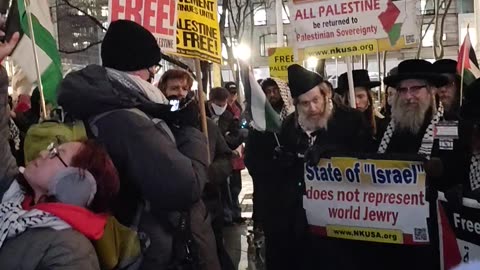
218,110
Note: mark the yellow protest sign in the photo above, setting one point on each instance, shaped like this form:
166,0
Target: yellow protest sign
198,34
343,49
278,60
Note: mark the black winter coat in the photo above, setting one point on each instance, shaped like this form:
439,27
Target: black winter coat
169,174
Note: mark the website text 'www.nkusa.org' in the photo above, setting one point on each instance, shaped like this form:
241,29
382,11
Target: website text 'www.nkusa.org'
341,50
367,234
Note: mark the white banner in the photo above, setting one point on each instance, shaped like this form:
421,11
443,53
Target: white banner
338,21
368,200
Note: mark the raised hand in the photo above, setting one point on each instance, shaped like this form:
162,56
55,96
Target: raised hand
7,47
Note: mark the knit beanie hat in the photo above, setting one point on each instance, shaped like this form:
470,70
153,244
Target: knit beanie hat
127,46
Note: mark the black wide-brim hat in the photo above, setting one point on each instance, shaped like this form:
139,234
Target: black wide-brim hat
470,109
360,79
416,69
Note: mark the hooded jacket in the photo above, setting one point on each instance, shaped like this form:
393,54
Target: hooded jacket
169,174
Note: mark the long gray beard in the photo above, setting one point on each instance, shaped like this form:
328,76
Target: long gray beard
407,118
309,125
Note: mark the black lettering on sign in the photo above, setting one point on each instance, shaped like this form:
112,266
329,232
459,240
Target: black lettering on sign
205,4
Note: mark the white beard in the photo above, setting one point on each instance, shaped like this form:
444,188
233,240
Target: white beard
410,118
311,124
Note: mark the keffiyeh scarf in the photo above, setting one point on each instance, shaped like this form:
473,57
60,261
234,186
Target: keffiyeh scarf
428,138
15,220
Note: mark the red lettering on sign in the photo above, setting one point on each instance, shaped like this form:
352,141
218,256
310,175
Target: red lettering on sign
163,17
148,13
116,9
132,10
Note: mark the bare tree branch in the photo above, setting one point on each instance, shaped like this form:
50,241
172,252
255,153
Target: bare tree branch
83,49
95,20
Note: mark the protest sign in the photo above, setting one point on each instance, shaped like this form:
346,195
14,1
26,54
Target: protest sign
279,59
157,16
198,34
338,21
343,49
459,231
368,200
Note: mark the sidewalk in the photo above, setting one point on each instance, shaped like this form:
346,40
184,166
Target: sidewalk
237,237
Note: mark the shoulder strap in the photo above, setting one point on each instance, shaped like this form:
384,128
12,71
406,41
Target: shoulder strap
158,122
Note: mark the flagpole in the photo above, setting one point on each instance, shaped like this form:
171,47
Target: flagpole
463,64
37,64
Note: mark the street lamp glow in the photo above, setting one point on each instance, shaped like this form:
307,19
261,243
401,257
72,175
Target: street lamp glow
242,52
312,62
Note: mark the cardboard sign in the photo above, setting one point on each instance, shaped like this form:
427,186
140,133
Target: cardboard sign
368,200
157,16
198,33
338,21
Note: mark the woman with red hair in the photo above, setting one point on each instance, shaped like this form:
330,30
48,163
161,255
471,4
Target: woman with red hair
52,208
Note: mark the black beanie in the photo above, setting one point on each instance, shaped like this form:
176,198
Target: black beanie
127,46
301,80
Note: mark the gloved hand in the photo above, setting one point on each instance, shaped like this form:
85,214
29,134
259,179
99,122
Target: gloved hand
315,152
454,196
283,157
433,167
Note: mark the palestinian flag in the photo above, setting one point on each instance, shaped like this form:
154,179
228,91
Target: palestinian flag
264,117
467,66
46,46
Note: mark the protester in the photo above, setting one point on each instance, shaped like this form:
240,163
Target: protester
318,128
449,94
470,137
237,162
415,115
216,109
164,165
389,94
259,149
51,211
363,99
176,84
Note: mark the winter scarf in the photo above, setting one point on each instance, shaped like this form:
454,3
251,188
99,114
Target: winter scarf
428,138
14,134
15,220
288,106
138,84
475,171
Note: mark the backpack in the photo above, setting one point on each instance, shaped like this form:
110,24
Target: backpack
121,247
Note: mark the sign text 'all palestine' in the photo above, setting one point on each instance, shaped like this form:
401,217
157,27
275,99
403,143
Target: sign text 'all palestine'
337,21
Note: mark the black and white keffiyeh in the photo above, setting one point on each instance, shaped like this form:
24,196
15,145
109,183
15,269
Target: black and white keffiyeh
14,134
14,220
475,171
428,138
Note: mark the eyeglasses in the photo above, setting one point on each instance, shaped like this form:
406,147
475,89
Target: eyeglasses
53,152
412,89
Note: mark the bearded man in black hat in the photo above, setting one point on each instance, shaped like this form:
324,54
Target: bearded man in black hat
416,115
317,129
449,94
363,100
161,161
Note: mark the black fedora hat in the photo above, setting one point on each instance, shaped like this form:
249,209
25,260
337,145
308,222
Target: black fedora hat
470,109
416,69
360,79
445,66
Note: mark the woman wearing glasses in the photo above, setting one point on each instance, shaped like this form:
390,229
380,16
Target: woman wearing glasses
50,211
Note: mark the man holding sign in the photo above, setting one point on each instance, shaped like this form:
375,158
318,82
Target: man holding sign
318,128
